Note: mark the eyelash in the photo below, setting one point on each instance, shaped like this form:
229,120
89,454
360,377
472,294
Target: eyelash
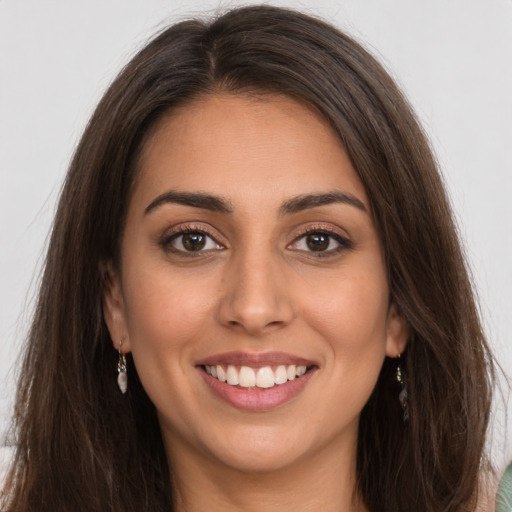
166,241
343,243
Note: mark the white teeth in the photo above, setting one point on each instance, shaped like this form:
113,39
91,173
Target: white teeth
247,377
221,374
280,375
301,370
232,376
265,377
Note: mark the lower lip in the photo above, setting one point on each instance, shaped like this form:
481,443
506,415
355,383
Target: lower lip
258,399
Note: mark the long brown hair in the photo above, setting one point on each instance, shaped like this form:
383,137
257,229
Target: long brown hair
81,445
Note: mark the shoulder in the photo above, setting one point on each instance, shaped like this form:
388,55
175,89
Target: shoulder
504,496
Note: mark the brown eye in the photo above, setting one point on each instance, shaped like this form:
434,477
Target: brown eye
190,242
193,241
317,241
321,243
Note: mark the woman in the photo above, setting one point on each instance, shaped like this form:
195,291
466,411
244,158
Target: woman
254,294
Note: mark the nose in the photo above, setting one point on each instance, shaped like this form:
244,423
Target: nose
255,296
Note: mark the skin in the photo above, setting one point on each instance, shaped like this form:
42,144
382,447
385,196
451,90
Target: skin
257,287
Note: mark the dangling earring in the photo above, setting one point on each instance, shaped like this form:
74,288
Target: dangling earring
402,396
122,376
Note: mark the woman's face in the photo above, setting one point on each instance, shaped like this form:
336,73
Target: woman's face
250,254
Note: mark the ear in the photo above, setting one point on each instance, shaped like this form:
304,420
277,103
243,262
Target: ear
397,332
113,308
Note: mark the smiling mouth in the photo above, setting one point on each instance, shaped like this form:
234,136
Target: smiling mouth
263,377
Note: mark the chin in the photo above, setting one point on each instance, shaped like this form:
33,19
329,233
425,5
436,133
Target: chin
270,449
265,459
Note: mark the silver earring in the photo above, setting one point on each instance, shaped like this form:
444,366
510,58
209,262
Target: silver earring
402,396
122,376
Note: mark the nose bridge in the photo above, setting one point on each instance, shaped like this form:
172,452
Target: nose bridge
254,296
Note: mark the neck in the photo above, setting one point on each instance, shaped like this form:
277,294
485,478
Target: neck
326,481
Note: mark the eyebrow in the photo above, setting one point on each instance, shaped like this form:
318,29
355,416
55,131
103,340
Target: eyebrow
221,205
307,201
195,199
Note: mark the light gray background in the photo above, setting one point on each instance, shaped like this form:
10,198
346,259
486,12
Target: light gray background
452,57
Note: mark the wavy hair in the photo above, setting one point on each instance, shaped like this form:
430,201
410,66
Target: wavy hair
81,445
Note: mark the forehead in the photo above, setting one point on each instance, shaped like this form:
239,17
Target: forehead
226,143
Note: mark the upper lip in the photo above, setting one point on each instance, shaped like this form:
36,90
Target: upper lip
255,359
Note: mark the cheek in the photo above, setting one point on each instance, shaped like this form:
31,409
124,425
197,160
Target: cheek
165,316
164,305
352,309
351,317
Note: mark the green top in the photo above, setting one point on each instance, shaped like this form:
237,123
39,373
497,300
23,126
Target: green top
504,497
